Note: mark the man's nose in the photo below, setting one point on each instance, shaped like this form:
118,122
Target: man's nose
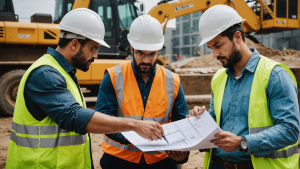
95,55
216,53
146,59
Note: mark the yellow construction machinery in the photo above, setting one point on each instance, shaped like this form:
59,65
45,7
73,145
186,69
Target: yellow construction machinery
22,43
262,16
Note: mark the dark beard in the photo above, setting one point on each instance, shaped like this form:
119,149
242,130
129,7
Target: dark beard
79,61
234,57
138,68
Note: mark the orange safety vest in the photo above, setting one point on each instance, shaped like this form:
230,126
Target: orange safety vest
163,92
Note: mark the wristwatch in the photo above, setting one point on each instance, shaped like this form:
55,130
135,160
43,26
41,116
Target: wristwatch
244,144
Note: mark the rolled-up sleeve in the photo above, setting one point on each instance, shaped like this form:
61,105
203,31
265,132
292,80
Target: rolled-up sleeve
284,109
48,90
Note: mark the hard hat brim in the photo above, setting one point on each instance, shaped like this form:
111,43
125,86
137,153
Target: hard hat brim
203,41
147,47
102,42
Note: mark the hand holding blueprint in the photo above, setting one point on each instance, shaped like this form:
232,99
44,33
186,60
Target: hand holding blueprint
183,135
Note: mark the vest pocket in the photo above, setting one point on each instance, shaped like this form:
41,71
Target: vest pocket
257,107
70,156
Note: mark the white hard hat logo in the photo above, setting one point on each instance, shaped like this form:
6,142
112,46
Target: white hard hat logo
215,20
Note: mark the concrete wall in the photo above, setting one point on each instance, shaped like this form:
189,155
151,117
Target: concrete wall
196,84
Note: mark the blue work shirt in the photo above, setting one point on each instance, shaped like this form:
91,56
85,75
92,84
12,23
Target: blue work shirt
107,100
282,103
46,94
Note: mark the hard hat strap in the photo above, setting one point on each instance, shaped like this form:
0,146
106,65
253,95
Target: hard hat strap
68,35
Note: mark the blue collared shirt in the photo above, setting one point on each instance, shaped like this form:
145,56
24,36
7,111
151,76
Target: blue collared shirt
107,101
282,103
46,94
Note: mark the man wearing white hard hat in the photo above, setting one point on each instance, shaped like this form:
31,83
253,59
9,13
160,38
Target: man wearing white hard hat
51,122
254,100
141,89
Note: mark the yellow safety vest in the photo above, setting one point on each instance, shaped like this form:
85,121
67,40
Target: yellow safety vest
259,117
42,144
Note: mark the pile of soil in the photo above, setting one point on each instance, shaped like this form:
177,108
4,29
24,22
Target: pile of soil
289,57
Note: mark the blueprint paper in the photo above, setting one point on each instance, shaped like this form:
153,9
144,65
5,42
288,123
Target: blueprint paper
182,135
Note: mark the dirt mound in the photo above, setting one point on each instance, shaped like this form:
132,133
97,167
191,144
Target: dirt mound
203,61
289,57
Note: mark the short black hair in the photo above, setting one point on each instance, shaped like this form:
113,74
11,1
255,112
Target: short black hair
63,42
231,31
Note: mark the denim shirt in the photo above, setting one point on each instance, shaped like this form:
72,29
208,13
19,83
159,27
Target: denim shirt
107,101
46,94
282,103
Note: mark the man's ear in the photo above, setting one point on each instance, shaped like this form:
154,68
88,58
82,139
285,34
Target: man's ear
74,45
237,37
131,49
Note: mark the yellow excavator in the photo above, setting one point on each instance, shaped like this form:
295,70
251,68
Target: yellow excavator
22,43
262,16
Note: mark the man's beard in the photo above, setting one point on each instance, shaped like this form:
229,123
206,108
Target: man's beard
80,61
234,57
138,68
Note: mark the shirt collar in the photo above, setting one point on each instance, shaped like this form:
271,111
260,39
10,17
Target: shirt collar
61,60
252,63
136,73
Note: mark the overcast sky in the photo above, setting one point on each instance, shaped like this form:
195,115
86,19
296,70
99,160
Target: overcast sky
26,8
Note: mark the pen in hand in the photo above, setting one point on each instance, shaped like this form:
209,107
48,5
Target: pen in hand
162,136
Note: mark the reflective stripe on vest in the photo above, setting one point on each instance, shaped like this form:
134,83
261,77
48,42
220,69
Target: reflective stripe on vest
259,118
47,142
44,142
34,130
277,154
126,147
120,92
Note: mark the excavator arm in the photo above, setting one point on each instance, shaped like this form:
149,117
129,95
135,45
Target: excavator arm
169,10
81,4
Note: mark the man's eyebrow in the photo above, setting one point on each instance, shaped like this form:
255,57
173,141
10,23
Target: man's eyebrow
140,51
143,52
216,44
213,45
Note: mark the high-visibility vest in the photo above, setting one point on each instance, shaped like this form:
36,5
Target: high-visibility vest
130,104
259,117
42,144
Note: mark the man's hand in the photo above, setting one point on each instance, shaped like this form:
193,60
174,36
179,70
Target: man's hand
196,112
149,130
228,142
177,155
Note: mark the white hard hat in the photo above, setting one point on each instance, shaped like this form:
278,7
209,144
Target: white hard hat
84,23
215,20
146,34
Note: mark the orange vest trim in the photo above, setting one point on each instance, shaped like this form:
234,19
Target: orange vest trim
163,92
